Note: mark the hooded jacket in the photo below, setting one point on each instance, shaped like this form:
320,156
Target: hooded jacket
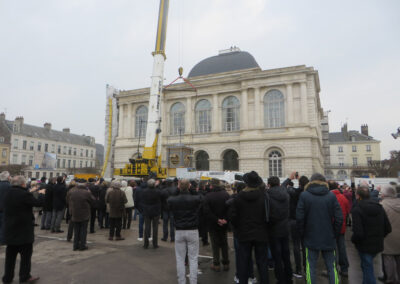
344,205
392,241
279,212
370,226
247,213
319,216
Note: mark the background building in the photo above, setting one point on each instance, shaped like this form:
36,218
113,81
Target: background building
240,117
350,153
44,151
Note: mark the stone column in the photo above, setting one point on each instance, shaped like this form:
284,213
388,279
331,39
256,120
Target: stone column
216,125
304,106
189,115
290,110
257,108
129,121
244,111
121,121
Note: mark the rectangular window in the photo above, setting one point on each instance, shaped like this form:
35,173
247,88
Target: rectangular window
86,165
70,151
24,144
63,163
51,175
69,163
37,175
91,153
81,152
355,161
4,153
15,143
368,148
340,149
91,164
74,151
53,148
30,162
31,145
80,164
23,160
354,148
1,139
65,150
369,160
46,147
87,153
341,163
74,163
39,146
44,174
58,163
59,149
15,159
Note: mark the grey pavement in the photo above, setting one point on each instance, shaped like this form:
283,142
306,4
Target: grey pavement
127,262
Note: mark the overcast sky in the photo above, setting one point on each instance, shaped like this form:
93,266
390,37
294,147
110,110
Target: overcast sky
56,57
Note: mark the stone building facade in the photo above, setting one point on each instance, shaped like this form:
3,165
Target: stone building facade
239,117
44,151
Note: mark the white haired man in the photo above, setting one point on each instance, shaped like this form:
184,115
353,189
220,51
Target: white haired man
19,229
391,252
4,188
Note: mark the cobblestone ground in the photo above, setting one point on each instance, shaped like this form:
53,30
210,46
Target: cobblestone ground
127,262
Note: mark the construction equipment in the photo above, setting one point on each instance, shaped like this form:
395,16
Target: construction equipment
149,163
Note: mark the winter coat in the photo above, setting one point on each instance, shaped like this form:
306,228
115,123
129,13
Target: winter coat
248,216
4,189
215,208
80,201
349,197
344,205
392,241
294,194
116,200
185,208
370,226
129,196
59,195
95,191
165,194
279,211
102,197
319,216
18,216
151,202
48,198
138,198
374,195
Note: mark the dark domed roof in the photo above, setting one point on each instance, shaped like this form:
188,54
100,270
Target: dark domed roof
224,62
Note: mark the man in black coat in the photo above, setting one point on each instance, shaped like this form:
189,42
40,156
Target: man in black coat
48,204
4,188
151,206
59,203
370,226
279,230
167,215
248,214
19,229
319,219
95,190
215,211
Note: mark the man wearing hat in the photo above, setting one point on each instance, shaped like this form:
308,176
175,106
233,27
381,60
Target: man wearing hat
215,211
249,214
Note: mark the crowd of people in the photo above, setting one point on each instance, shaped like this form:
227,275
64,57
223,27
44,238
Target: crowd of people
269,221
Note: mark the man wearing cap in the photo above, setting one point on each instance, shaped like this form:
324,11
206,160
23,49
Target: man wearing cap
215,211
248,214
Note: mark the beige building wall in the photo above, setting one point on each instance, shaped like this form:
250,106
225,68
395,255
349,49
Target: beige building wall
4,154
299,140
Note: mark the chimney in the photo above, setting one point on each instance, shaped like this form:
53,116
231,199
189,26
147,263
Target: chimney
66,130
344,131
47,125
18,122
2,117
364,129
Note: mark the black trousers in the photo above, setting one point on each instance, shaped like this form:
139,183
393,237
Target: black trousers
115,227
127,220
25,265
80,233
244,251
219,241
149,224
70,232
93,212
281,253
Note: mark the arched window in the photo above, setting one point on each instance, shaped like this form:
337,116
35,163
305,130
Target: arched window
202,161
231,161
177,119
203,116
341,174
274,109
275,163
141,121
329,174
230,114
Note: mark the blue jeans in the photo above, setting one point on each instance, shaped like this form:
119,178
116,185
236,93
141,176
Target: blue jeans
367,266
330,263
168,216
281,254
141,223
135,214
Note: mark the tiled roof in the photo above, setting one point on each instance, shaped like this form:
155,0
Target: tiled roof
53,135
339,137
